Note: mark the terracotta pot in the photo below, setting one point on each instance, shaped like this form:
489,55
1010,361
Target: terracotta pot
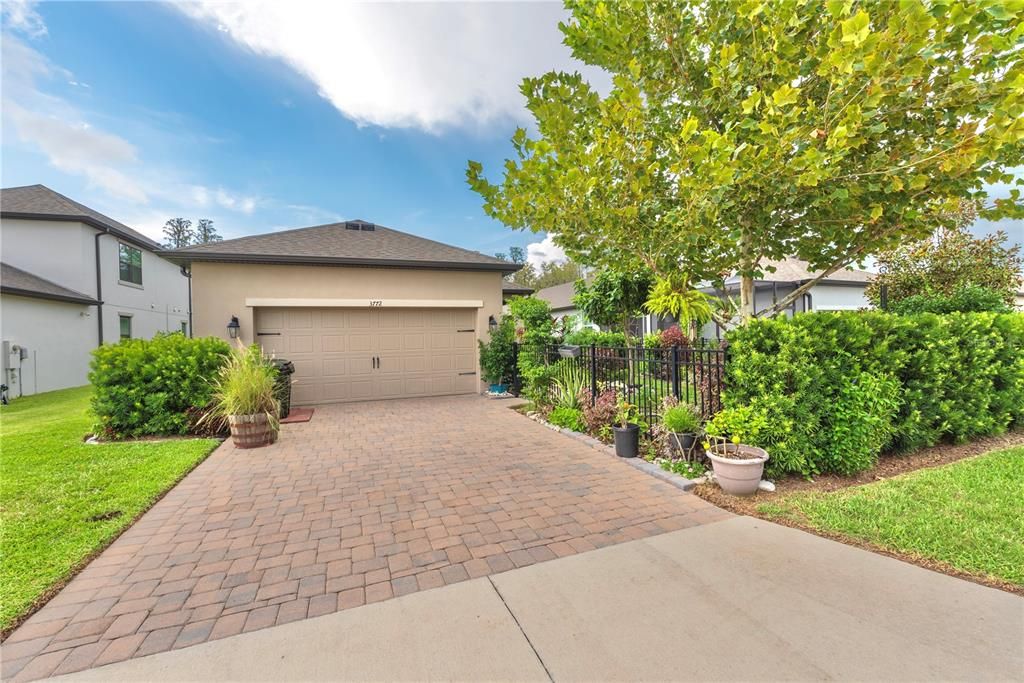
738,477
252,431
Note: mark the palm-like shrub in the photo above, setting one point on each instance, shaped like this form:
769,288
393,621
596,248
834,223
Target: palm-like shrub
245,386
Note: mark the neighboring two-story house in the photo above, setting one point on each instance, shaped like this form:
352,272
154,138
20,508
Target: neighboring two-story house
71,280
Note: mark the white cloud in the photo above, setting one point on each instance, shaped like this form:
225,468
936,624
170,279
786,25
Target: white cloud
21,16
545,251
406,65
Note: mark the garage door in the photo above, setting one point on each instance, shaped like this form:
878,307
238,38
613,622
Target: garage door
363,354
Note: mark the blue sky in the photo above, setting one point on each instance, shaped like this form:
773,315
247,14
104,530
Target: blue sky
263,119
265,116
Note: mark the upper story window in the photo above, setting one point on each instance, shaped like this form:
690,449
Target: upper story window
130,263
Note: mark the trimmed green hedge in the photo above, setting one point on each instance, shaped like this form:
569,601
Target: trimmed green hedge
825,382
153,386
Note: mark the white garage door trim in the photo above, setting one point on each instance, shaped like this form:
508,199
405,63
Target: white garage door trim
364,303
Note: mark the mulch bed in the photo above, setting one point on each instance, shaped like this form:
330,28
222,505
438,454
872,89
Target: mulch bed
888,466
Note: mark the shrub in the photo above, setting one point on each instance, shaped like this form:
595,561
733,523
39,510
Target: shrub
681,419
497,356
587,336
534,331
673,336
568,418
569,381
955,376
969,299
599,412
245,386
652,340
153,386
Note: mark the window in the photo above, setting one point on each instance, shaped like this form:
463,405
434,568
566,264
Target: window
126,326
184,328
130,262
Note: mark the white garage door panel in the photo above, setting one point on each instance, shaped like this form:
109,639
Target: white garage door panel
422,352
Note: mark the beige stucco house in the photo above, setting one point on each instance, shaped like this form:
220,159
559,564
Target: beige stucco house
363,311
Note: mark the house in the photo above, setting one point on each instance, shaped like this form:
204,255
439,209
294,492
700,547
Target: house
363,311
843,290
72,279
559,298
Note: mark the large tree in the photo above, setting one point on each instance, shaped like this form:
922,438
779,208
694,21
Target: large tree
205,232
178,233
614,297
738,131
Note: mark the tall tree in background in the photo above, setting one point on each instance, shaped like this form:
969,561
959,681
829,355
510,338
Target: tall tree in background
738,131
949,263
549,274
613,298
205,232
178,233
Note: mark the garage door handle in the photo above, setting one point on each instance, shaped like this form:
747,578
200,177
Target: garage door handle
268,334
468,373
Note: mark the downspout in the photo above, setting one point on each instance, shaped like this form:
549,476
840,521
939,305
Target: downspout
186,271
99,286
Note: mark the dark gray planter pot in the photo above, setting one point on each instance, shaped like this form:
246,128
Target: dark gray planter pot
627,441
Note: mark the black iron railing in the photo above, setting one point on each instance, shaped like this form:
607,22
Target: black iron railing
644,376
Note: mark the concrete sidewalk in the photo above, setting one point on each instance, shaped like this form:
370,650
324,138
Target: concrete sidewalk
737,599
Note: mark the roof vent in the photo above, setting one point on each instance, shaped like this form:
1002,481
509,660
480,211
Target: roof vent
359,225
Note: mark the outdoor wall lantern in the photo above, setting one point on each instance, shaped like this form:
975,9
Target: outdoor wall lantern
492,323
233,327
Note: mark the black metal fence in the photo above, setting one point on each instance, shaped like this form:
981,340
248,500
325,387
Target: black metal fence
645,376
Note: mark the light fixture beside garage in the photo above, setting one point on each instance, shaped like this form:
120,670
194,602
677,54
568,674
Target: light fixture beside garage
233,327
492,324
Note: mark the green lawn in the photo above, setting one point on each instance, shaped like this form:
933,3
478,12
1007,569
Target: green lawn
968,515
51,484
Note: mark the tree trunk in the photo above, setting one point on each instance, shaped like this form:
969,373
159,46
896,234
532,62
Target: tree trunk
746,281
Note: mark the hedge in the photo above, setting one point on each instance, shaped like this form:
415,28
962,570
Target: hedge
153,386
825,382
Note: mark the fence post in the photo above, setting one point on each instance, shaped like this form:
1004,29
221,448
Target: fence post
593,374
675,372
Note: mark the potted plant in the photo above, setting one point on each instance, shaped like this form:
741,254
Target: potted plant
244,396
569,351
682,424
497,356
738,466
627,430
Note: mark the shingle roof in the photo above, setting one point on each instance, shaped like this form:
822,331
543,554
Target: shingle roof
40,202
17,281
349,243
795,270
559,297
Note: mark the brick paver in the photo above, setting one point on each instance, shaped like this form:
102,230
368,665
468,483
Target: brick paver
366,502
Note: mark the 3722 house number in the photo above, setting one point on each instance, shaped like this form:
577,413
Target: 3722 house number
376,303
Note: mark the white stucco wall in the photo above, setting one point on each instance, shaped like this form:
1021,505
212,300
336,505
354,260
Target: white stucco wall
838,298
56,250
159,305
59,337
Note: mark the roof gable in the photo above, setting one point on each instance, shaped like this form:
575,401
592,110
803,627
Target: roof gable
23,283
42,203
354,242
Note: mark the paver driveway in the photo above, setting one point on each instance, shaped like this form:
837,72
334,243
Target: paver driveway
364,502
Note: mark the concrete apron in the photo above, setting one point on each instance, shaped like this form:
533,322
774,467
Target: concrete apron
737,599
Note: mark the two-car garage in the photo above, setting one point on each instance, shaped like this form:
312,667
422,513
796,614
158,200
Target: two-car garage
364,312
350,354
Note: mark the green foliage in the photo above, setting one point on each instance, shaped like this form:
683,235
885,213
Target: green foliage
681,419
684,468
672,295
497,355
734,132
599,413
587,336
570,379
801,381
652,340
568,418
245,386
967,299
861,423
614,297
153,386
626,413
534,331
950,271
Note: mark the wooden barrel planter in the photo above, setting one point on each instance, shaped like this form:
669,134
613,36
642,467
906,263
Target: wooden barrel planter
252,431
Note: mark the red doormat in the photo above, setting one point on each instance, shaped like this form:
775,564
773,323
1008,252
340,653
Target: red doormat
298,415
